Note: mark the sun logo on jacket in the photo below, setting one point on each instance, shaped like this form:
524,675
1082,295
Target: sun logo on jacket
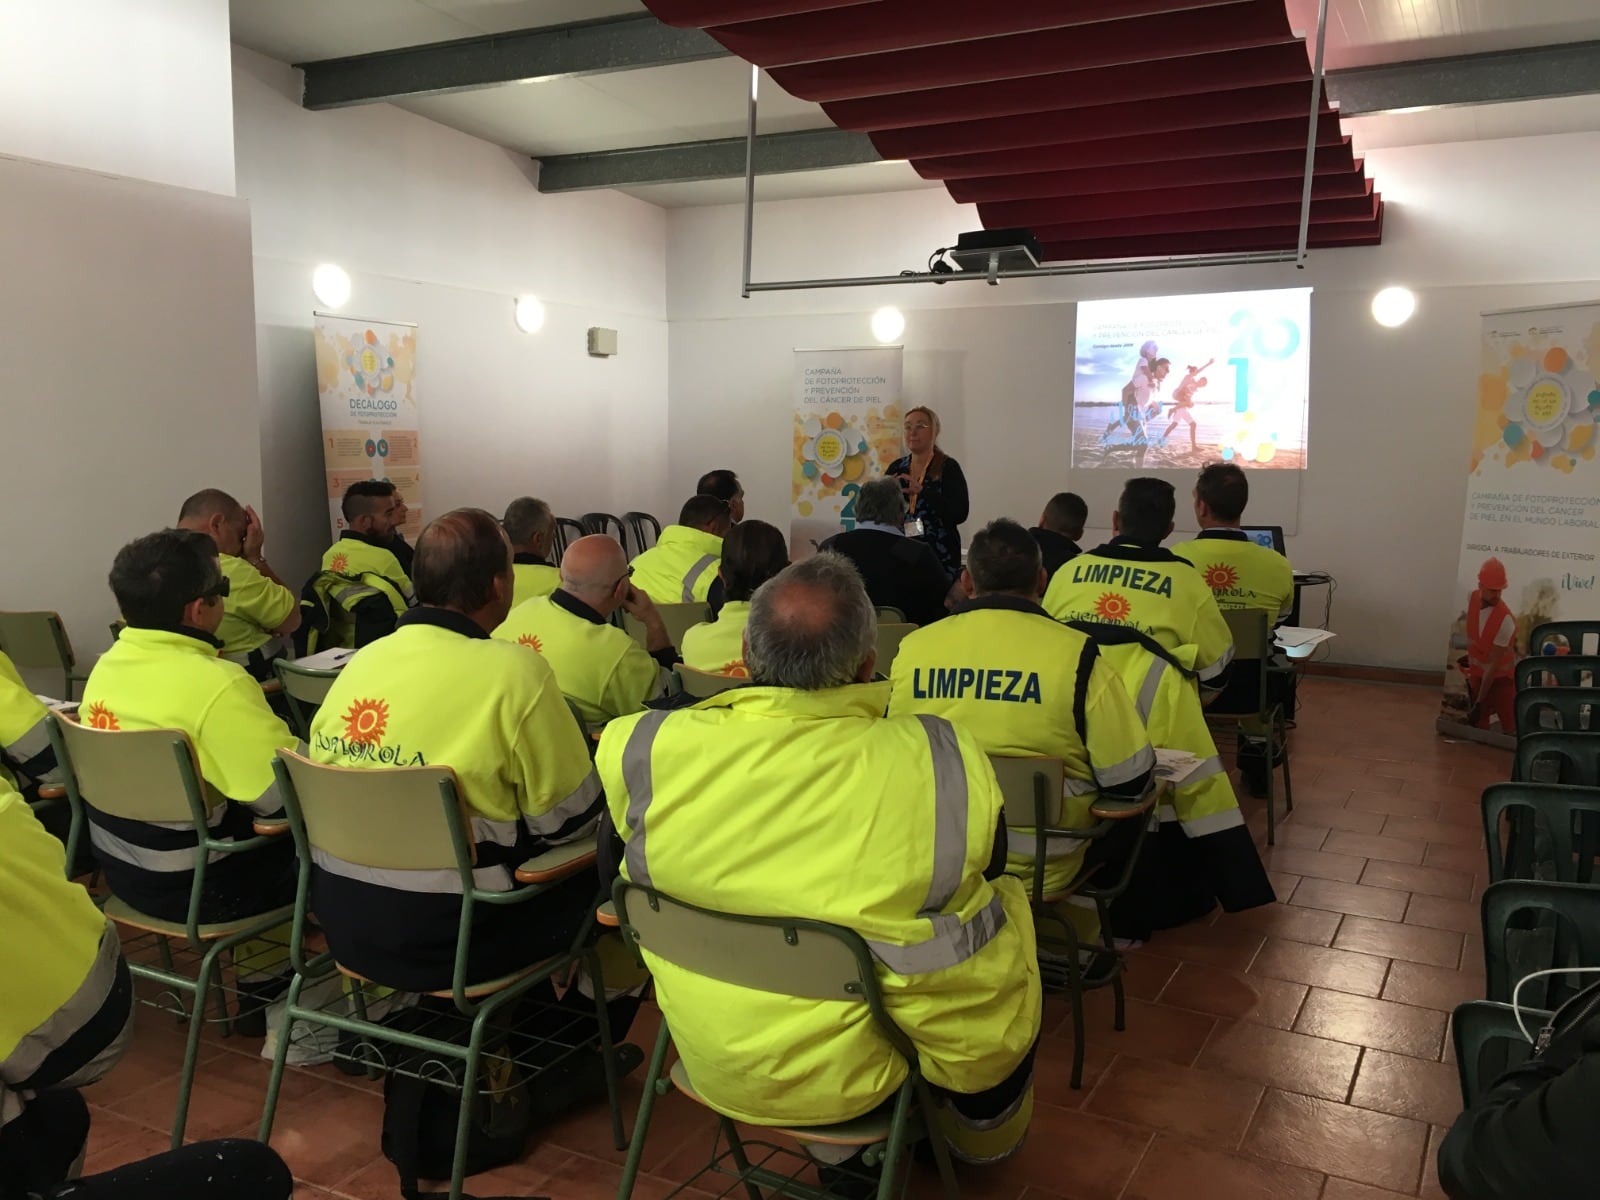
1112,606
532,642
101,717
366,721
1220,577
338,564
735,670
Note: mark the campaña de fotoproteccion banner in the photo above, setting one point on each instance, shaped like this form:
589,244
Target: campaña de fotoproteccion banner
848,428
1532,529
366,382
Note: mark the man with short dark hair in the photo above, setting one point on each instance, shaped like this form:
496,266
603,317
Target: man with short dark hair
779,800
164,672
1239,572
439,691
1059,530
899,572
725,486
259,610
361,577
531,526
682,565
599,667
1025,685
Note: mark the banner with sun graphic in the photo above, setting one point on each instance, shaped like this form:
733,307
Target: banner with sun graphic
366,383
1532,528
847,430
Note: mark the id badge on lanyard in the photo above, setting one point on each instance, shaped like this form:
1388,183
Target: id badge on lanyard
914,527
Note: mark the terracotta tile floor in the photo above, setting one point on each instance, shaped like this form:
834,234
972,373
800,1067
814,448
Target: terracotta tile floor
1293,1052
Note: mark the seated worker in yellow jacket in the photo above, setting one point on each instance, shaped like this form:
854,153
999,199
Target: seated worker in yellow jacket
365,551
1024,685
26,756
798,797
599,667
259,611
531,526
752,553
682,565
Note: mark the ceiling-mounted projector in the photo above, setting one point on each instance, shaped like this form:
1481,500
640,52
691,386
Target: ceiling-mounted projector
988,250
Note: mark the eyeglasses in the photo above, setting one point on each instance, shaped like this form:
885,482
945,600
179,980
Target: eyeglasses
920,427
218,592
627,575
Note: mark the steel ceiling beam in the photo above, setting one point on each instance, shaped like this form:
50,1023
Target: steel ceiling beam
688,162
1537,73
552,52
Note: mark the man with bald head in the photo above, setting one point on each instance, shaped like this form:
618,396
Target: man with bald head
259,609
600,668
798,797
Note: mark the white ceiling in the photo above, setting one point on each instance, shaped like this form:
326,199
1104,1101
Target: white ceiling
692,101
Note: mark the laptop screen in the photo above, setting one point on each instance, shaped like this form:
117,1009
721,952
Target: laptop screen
1268,536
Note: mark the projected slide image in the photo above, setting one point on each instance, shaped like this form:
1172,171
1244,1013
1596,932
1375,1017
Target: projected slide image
1180,381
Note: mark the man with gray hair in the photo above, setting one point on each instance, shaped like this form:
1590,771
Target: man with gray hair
899,572
531,527
798,797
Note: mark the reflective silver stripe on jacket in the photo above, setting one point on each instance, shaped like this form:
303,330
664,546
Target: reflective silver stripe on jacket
584,802
952,942
59,1027
639,780
1195,827
1216,668
693,577
1146,700
1128,769
181,859
436,881
1023,843
34,742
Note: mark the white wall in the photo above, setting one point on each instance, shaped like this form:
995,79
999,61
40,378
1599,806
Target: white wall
1380,505
127,376
442,229
138,88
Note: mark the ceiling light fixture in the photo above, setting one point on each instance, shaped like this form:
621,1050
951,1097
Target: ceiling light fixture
529,313
888,324
1393,306
331,284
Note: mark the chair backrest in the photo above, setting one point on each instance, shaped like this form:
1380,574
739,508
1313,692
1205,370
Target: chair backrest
139,775
890,614
701,684
1489,1043
1565,933
1558,758
890,635
35,641
386,818
643,529
1557,709
1549,822
1252,645
605,523
305,688
1559,670
1031,788
568,530
678,618
1572,637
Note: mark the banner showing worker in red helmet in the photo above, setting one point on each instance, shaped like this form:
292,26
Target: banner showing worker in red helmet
1532,528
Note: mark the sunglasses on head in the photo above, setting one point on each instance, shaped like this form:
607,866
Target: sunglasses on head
218,592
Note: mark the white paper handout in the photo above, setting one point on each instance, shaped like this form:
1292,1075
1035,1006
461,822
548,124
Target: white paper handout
1174,766
325,660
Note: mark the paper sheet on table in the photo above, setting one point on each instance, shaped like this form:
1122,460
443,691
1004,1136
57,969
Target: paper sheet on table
1174,766
1297,641
325,660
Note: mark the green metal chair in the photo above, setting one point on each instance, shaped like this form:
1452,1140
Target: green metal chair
676,617
303,690
1569,817
1565,933
1489,1043
1558,670
152,775
890,635
1252,651
1576,637
1032,789
413,819
37,641
1557,710
701,684
1564,757
786,957
889,614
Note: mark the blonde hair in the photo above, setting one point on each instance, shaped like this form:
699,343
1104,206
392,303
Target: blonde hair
933,417
936,462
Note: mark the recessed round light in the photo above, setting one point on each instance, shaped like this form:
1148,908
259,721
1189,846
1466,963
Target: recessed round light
1393,306
529,314
888,324
331,284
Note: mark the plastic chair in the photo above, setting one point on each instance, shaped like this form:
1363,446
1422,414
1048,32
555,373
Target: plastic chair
1565,933
37,641
304,688
152,775
890,635
1487,1041
605,523
568,530
1032,789
637,522
701,684
785,957
1569,816
678,618
1558,670
889,614
1574,637
1252,651
413,819
1557,710
1558,758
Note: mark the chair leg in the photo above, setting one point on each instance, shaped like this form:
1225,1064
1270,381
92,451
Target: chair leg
1119,995
740,1158
191,1051
1288,789
608,1052
221,993
893,1149
641,1123
469,1087
280,1059
1075,990
936,1141
1272,802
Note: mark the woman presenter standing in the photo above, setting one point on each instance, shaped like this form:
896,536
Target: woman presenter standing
935,487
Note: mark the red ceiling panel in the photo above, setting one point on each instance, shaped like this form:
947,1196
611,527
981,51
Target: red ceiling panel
1110,128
